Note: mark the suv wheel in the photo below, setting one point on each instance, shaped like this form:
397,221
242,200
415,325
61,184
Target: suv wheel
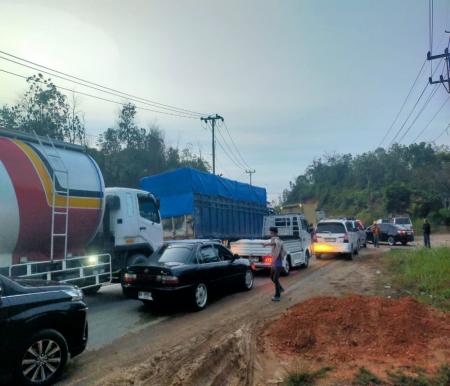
286,266
42,358
306,263
200,296
391,241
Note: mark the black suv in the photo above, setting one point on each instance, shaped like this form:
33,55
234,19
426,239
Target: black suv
41,324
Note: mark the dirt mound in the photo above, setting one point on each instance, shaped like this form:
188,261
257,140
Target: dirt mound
363,329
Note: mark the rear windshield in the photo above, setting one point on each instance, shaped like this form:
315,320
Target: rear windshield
403,220
330,227
173,254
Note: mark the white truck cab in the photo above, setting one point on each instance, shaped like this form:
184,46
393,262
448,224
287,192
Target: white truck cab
133,224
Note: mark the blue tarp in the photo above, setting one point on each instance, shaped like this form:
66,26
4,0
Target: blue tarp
176,190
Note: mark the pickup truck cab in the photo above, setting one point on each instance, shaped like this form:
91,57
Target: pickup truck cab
42,324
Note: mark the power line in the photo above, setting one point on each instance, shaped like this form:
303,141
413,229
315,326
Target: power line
229,148
431,120
443,132
161,105
404,103
234,145
103,99
118,93
433,92
412,110
226,153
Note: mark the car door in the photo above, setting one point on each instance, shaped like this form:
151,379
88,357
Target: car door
233,268
210,267
149,220
384,232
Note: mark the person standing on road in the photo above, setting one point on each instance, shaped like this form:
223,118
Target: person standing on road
376,235
277,261
426,233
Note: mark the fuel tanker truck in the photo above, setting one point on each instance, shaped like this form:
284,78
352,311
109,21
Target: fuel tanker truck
57,220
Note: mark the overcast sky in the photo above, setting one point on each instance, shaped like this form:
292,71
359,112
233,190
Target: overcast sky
293,79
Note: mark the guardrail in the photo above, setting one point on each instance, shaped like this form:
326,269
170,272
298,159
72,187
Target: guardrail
83,271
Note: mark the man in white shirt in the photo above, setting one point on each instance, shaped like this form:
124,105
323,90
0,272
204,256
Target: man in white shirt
277,261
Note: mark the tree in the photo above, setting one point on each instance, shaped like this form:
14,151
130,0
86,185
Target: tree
397,198
45,110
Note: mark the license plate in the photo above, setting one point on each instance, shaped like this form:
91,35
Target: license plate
145,295
330,239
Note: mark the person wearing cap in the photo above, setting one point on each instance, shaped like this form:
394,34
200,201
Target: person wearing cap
277,261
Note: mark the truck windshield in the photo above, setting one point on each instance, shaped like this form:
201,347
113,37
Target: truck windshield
148,209
330,227
173,254
402,220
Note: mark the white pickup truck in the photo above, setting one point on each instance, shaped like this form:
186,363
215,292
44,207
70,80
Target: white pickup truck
292,229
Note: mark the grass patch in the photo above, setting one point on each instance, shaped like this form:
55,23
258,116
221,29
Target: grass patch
424,273
441,378
306,378
366,378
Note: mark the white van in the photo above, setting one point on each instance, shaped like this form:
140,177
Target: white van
336,237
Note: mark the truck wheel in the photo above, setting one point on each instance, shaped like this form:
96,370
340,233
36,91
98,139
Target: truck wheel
306,263
286,266
247,283
42,359
200,296
91,290
136,259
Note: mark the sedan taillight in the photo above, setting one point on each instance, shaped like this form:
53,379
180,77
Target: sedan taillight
129,277
346,238
166,279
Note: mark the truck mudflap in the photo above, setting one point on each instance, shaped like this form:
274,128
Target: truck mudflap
82,271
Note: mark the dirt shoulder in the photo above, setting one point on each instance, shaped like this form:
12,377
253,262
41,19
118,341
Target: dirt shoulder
218,346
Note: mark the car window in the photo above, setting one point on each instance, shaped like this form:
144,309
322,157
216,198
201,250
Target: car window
208,254
148,208
304,225
330,227
173,254
349,226
384,227
403,221
224,253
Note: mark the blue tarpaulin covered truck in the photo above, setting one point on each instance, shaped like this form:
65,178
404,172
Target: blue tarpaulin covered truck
196,204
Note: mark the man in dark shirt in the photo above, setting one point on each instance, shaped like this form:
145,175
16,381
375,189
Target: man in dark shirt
426,233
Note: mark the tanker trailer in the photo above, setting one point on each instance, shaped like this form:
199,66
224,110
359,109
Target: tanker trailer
57,220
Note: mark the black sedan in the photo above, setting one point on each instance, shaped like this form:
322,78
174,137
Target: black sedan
42,324
188,269
392,234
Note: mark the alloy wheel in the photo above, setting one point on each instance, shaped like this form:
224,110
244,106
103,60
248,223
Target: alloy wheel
201,295
41,361
248,279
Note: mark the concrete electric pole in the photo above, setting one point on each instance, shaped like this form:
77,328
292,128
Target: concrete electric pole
250,172
213,119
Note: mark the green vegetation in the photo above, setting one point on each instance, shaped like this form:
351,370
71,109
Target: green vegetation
306,378
365,377
442,378
124,152
412,179
424,273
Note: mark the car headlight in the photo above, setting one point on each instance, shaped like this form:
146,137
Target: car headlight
75,293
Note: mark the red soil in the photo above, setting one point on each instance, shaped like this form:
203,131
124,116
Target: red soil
360,329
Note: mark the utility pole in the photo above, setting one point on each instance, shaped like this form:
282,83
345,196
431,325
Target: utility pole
444,80
250,172
213,119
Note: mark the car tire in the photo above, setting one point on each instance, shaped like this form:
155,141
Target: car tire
43,358
306,263
247,282
391,241
200,296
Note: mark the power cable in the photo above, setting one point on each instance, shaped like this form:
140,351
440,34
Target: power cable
229,149
161,105
413,109
431,120
234,145
433,92
118,94
226,153
103,99
443,132
404,103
